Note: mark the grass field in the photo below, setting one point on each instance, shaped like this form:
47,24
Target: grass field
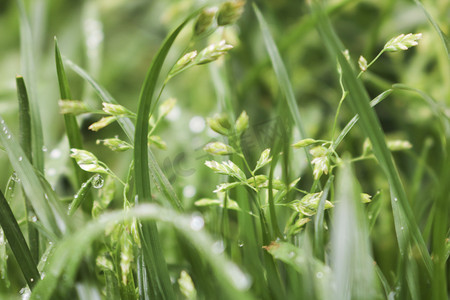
224,150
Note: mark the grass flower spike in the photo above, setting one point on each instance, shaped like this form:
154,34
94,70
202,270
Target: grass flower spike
402,42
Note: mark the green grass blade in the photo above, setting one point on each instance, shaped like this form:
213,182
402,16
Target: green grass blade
29,178
355,119
228,278
161,180
405,223
70,121
440,234
351,256
152,247
319,228
282,76
445,40
27,46
25,142
17,243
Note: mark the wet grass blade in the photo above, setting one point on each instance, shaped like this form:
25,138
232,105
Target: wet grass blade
30,180
406,227
70,121
17,243
228,278
25,142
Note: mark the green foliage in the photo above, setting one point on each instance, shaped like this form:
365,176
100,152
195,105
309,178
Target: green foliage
291,158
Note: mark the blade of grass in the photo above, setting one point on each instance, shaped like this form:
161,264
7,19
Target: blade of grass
156,264
445,40
25,143
229,279
405,223
319,245
17,243
282,77
351,257
29,178
28,66
440,227
70,121
355,119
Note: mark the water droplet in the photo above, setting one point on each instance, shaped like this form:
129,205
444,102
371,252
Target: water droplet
32,279
34,219
44,149
402,228
395,199
20,158
2,121
46,196
240,244
218,247
241,280
8,137
76,196
43,274
98,181
291,254
319,275
197,222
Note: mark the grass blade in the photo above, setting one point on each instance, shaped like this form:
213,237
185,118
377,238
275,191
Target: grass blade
405,223
282,77
72,129
29,178
352,262
152,247
25,142
27,46
355,119
229,279
318,221
17,242
445,40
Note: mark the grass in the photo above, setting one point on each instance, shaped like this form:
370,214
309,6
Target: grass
285,169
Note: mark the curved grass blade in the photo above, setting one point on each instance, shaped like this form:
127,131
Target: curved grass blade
318,221
29,178
282,77
161,180
27,46
351,258
444,38
229,279
72,129
80,196
406,226
25,142
355,119
152,247
17,243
